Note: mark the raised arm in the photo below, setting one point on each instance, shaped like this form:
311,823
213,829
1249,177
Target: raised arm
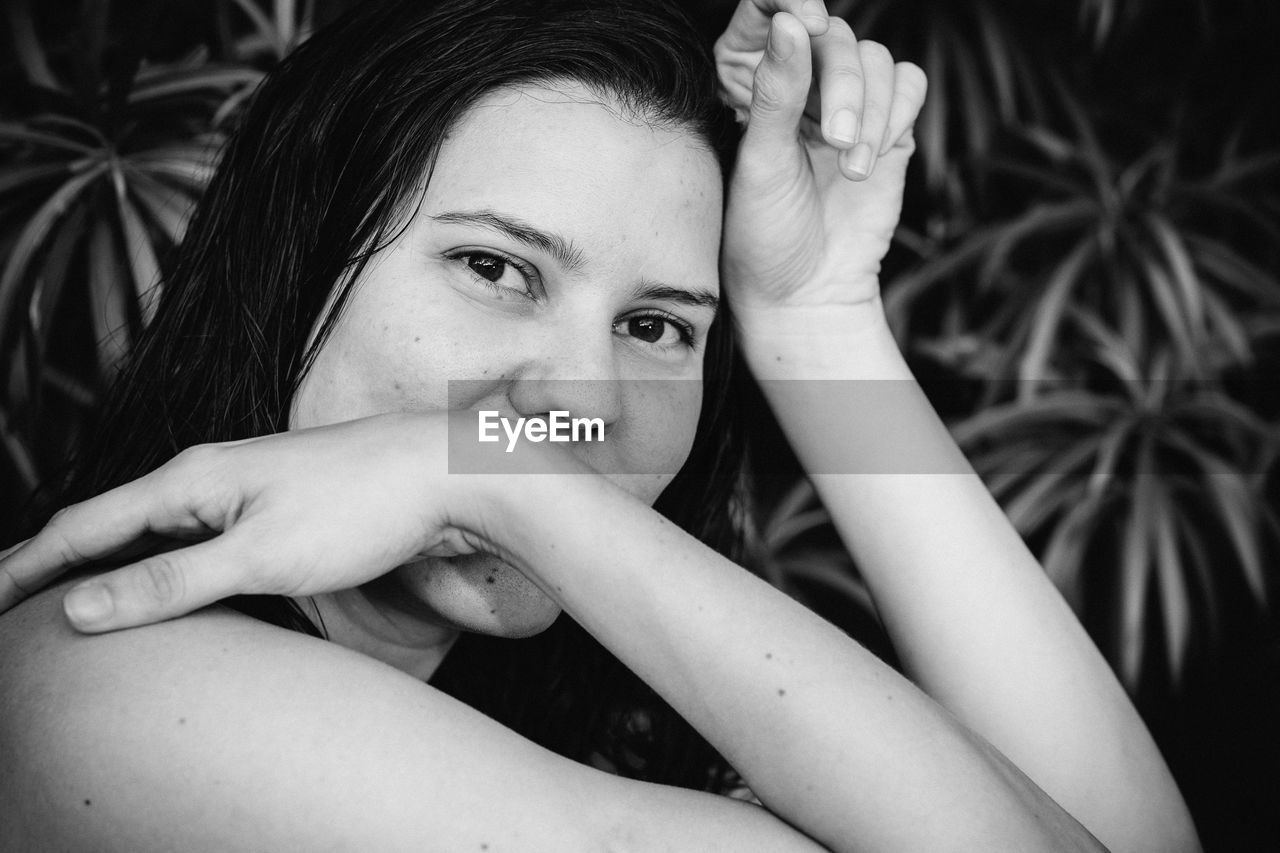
974,619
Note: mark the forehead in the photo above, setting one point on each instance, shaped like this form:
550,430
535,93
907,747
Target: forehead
571,161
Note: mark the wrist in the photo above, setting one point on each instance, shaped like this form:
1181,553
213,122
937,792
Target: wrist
840,341
519,501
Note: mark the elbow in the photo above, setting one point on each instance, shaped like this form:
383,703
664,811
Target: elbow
1167,833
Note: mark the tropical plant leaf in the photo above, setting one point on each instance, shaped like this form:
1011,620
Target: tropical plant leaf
832,570
1052,307
1175,606
168,208
1045,494
13,134
1063,554
141,255
20,177
154,85
1135,566
19,455
1178,261
27,48
34,236
48,288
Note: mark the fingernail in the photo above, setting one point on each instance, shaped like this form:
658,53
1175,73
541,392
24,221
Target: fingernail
813,10
844,126
860,159
88,605
780,46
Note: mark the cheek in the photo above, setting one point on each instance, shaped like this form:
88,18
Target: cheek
662,420
367,368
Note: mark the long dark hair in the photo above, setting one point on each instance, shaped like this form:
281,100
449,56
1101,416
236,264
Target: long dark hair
328,158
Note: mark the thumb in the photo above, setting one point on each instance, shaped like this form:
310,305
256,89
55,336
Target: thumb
780,90
163,586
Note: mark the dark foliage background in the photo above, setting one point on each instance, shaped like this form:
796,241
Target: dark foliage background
1085,281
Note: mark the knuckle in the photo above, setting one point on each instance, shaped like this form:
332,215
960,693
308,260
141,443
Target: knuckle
874,51
768,93
17,591
68,553
850,71
874,117
911,79
56,531
161,580
195,458
838,27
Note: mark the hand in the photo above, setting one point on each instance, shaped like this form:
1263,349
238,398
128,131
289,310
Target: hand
815,196
297,513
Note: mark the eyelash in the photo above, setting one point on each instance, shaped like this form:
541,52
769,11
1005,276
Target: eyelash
683,329
525,269
530,273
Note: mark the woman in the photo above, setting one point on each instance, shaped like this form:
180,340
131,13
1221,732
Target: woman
516,207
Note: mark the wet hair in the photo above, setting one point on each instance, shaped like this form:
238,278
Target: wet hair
318,177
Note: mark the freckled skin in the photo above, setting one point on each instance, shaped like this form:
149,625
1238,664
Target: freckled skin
640,205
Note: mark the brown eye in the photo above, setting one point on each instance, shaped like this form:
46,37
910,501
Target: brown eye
648,329
487,267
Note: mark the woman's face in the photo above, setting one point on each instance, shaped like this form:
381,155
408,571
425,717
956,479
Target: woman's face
561,245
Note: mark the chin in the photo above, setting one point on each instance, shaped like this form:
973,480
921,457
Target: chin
478,593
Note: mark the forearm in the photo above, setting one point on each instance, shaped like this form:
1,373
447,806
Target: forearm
972,616
828,737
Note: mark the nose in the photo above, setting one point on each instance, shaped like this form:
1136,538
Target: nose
574,372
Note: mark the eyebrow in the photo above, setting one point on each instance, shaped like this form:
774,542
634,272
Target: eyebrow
565,253
569,256
697,298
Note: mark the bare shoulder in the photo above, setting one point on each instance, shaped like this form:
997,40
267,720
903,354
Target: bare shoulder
218,732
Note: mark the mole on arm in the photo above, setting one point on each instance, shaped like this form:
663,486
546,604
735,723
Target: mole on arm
781,692
88,802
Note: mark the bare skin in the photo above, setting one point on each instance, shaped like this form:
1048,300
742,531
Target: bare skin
844,753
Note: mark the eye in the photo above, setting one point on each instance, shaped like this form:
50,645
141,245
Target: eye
504,276
656,329
487,267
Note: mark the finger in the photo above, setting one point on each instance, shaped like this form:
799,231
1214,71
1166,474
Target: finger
94,529
858,162
21,579
840,84
910,85
7,551
749,25
162,586
73,536
161,502
13,589
780,89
